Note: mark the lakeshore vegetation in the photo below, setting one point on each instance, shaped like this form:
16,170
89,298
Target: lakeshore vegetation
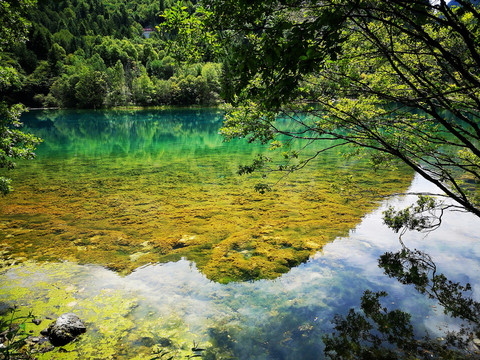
93,54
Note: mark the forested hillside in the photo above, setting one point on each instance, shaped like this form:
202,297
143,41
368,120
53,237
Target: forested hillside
92,54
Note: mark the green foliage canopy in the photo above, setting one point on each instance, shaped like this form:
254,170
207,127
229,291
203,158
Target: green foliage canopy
14,143
70,40
396,81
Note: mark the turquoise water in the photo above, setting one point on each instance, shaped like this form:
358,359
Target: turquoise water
141,214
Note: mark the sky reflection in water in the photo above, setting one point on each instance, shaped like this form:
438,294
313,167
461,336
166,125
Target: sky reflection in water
265,319
284,318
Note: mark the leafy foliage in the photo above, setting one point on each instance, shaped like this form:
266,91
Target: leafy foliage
14,23
189,38
396,81
90,54
13,335
14,144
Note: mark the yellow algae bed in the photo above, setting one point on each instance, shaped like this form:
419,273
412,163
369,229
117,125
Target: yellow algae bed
127,207
125,189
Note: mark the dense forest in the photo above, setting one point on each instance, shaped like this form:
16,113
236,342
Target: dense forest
92,54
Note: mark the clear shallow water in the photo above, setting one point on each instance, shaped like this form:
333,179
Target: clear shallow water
174,303
123,189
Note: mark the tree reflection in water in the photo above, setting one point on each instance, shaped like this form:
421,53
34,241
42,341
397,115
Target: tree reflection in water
378,333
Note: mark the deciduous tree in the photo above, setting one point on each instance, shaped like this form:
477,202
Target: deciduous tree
395,80
14,144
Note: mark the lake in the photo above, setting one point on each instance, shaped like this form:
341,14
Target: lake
138,222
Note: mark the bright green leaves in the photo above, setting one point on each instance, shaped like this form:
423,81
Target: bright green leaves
14,144
258,163
399,81
189,37
13,19
275,41
251,121
13,334
5,185
91,89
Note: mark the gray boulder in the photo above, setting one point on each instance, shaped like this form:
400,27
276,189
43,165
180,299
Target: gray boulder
67,327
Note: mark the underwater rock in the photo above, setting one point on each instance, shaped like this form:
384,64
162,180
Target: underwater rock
39,344
65,329
147,341
164,342
184,241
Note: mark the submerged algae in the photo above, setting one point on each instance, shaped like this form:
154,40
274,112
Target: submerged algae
125,189
112,330
231,232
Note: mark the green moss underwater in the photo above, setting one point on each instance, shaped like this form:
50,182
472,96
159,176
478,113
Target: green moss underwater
123,189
